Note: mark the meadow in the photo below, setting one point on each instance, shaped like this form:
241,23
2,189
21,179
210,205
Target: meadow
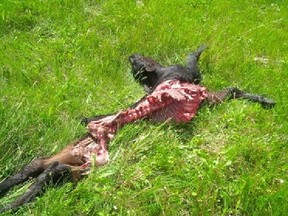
61,60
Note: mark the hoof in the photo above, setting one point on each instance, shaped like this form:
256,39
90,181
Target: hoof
267,103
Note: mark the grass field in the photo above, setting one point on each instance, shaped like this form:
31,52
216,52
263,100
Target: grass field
61,60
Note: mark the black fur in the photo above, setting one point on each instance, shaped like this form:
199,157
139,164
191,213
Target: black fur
150,73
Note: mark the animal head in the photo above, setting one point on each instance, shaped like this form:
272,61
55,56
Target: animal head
145,71
150,73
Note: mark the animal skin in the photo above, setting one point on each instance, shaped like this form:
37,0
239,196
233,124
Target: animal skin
174,94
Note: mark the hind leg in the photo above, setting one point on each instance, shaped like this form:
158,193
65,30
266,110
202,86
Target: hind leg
36,167
235,93
30,171
54,173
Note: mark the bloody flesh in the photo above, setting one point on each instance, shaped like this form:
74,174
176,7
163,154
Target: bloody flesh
171,100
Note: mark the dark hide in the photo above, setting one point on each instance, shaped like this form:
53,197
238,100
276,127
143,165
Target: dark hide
150,73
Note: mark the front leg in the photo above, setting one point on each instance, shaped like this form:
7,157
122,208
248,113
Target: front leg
109,125
87,120
235,93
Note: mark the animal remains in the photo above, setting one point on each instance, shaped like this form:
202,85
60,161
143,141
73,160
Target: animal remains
173,93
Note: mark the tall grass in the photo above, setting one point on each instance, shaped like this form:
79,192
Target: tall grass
61,60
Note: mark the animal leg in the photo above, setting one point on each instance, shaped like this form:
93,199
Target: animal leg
193,64
86,120
194,57
30,171
108,126
54,173
235,93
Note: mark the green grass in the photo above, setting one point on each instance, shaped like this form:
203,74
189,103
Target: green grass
61,60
